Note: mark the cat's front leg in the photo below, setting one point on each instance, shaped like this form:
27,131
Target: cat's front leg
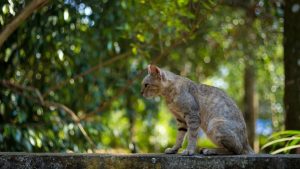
182,129
193,123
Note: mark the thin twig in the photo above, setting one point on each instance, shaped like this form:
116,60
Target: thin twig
48,104
92,69
74,117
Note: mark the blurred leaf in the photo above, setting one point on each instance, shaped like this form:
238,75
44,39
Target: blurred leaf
294,138
285,149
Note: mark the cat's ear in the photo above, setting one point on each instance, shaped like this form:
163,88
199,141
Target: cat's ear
152,69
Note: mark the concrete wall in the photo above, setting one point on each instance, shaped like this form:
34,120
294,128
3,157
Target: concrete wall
109,161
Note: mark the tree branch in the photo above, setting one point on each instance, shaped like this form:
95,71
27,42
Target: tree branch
22,16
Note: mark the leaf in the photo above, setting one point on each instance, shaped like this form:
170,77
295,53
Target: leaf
5,8
285,149
134,50
280,140
286,132
140,37
293,142
182,2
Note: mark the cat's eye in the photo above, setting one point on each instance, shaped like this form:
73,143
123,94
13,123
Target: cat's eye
146,85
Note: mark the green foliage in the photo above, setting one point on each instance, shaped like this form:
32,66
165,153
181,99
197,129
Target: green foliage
91,55
283,141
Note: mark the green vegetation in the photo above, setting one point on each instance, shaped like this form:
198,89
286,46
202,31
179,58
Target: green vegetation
283,141
70,74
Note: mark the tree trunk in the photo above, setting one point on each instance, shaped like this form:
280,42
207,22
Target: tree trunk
250,100
292,64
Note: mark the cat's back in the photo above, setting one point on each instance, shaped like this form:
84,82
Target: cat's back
211,93
210,98
217,103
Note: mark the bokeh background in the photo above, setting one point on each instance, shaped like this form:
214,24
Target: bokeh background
71,71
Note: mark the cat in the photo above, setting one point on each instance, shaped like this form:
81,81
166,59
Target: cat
198,105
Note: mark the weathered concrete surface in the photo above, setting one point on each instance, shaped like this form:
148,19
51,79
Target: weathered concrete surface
110,161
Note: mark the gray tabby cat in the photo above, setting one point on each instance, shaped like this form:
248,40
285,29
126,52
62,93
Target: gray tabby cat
198,105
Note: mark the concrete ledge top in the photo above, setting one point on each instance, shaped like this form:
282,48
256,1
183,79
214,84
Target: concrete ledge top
127,161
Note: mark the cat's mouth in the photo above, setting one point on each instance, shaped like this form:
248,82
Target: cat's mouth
147,95
150,97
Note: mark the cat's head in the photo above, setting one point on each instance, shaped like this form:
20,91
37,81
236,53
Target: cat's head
153,83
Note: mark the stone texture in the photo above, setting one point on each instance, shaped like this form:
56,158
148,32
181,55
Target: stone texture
111,161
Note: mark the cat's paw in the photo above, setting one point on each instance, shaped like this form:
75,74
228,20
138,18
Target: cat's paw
206,151
171,151
188,152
